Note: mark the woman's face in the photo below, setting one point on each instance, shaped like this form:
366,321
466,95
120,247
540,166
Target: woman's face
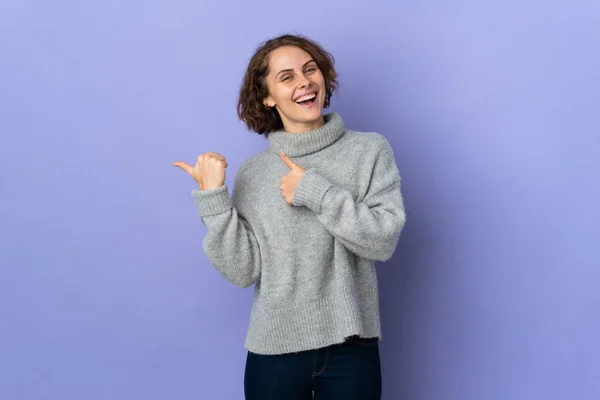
296,89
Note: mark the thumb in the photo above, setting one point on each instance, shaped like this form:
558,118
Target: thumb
184,166
287,160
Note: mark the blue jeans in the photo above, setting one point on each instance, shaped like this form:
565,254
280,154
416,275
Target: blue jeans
348,371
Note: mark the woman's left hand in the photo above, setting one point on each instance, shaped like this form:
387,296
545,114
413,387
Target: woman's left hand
290,181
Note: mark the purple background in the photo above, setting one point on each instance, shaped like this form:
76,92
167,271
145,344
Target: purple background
491,108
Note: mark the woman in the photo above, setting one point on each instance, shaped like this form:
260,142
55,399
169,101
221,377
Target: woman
306,220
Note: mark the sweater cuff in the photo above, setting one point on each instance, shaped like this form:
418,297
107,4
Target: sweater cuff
310,190
212,202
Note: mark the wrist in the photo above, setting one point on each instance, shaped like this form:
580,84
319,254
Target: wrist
210,187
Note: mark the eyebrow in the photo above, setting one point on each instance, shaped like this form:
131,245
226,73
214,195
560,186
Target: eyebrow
290,69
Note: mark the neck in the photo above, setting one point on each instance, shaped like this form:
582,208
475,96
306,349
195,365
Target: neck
300,127
307,142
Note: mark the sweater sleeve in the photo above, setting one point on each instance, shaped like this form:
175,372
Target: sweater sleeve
230,243
369,228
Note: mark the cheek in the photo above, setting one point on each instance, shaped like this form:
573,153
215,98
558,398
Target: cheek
320,79
278,92
285,94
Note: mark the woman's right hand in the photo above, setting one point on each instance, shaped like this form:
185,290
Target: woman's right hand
209,171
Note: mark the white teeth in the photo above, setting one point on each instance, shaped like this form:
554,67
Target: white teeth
307,97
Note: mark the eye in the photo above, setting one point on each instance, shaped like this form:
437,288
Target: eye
313,66
286,78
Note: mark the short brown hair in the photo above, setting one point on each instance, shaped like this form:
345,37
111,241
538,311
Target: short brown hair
253,91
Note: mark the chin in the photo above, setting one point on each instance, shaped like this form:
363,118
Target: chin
311,118
311,113
306,115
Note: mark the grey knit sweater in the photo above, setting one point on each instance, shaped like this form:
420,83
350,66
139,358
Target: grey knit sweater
311,263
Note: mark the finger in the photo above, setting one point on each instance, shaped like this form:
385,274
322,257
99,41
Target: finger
215,155
184,166
221,161
287,160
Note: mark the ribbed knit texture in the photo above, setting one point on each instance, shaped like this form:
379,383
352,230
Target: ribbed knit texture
311,263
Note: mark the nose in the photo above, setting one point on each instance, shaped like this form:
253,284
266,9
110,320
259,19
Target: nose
303,82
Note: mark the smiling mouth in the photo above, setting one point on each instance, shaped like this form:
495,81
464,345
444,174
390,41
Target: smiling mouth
307,100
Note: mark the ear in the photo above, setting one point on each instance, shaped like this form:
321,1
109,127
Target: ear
269,102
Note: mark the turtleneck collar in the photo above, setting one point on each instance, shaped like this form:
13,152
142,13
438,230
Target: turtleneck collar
301,144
